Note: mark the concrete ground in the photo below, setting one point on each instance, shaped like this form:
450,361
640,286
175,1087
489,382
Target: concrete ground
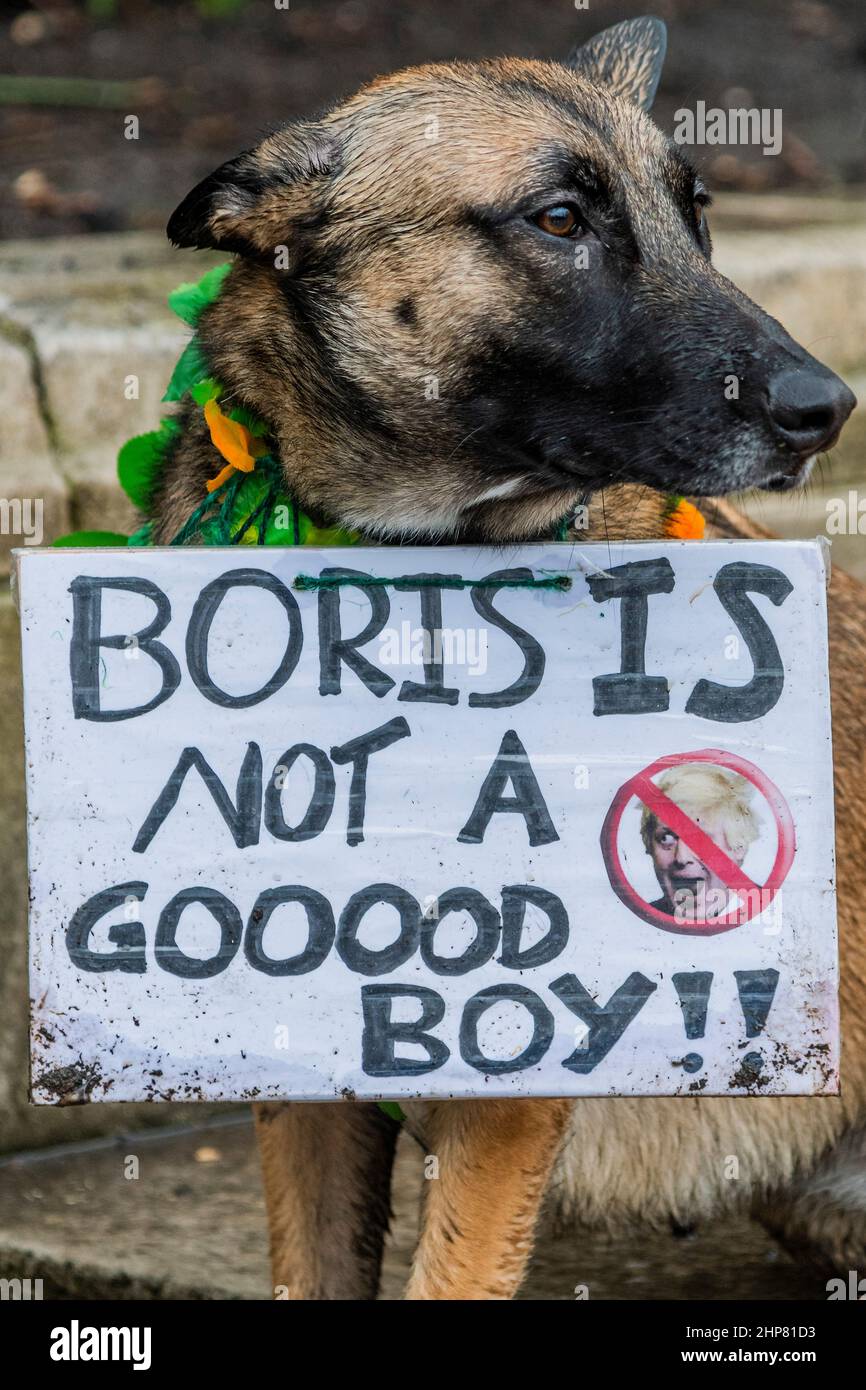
191,1225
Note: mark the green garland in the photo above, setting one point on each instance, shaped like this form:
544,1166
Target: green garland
248,508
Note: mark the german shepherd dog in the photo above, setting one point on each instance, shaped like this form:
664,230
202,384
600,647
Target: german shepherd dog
522,236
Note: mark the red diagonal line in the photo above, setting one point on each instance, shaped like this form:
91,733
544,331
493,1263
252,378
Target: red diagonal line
698,841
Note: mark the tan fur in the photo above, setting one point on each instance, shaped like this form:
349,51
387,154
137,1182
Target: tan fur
655,1160
494,1161
367,190
316,1159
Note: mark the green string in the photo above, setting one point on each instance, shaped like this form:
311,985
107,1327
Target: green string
248,503
223,501
262,513
568,518
439,581
222,519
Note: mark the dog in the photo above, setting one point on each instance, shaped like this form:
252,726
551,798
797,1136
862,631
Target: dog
465,301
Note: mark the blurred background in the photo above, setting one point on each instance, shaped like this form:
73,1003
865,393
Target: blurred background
207,77
110,111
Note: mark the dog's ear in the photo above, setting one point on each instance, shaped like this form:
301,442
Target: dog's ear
258,203
627,58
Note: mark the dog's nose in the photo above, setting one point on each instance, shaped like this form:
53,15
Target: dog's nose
809,408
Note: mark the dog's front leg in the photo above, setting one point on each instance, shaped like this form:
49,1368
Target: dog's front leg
494,1159
327,1176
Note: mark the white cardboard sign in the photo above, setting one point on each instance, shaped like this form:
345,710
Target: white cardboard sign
556,820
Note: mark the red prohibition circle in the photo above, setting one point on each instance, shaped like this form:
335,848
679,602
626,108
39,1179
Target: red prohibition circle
641,786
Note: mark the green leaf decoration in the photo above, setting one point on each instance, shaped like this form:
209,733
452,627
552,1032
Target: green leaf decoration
208,389
256,427
89,538
325,535
254,509
189,370
391,1108
189,300
143,536
140,461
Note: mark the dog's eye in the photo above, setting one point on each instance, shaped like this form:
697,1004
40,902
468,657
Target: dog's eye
700,204
562,220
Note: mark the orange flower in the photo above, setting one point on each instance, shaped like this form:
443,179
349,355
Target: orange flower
684,522
238,447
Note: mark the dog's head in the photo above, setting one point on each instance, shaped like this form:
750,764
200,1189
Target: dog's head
474,292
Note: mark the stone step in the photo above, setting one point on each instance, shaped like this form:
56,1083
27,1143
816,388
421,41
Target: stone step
87,342
813,513
812,279
191,1225
34,496
786,212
